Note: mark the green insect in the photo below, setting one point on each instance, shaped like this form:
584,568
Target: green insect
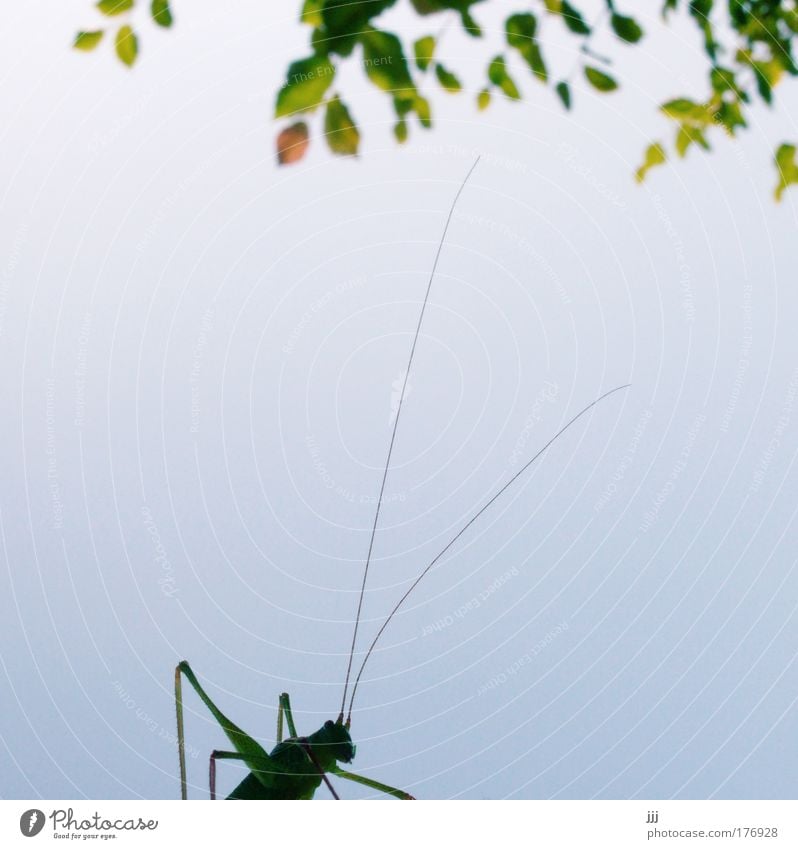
297,765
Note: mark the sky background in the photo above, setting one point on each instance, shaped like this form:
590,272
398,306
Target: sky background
199,357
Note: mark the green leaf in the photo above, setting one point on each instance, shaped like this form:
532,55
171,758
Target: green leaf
688,135
723,80
447,79
127,45
599,80
682,108
423,111
88,40
311,13
306,83
423,51
564,93
161,13
626,28
787,168
520,33
385,63
342,135
483,99
497,74
114,7
344,22
400,131
469,24
730,115
654,155
573,19
520,29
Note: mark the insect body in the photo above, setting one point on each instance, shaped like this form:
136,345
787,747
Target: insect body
296,767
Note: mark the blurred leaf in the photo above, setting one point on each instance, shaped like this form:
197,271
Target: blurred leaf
400,131
423,51
564,93
88,40
520,32
497,74
469,24
687,136
723,80
573,19
423,111
483,99
161,13
344,22
306,83
682,109
599,80
787,168
654,155
311,13
447,79
292,143
127,45
342,135
114,7
730,115
626,28
385,63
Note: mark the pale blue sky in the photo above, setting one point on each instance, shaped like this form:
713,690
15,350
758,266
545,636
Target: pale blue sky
198,359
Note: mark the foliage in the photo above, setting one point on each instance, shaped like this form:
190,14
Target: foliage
747,44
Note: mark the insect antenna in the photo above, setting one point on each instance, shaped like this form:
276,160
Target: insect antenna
393,437
465,527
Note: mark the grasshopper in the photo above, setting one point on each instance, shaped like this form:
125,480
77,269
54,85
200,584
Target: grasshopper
296,767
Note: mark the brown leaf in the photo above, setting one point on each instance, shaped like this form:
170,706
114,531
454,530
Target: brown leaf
292,143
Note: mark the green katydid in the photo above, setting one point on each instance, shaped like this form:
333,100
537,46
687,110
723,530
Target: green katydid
297,765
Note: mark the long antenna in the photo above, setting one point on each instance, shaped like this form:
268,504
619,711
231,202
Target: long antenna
393,435
465,527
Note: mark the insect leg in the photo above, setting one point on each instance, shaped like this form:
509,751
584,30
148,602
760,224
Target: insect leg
252,752
370,782
303,741
285,708
181,740
221,755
